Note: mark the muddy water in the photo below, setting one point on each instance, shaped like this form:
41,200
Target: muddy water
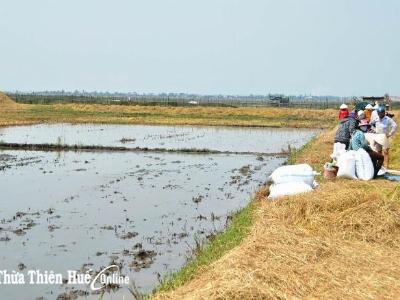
142,211
235,139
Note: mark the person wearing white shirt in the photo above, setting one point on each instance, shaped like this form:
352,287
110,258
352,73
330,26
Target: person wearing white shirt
384,128
374,113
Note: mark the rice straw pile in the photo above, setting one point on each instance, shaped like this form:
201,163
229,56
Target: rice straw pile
6,103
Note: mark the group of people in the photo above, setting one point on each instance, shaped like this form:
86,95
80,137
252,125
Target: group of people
371,129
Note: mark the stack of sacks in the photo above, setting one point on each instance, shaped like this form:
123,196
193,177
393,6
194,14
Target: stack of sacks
290,180
355,165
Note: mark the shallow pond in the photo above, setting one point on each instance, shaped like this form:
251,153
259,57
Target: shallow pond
142,211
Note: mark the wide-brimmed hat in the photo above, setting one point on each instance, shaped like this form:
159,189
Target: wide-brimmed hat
363,122
343,106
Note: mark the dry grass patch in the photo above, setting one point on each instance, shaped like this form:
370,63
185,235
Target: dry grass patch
164,115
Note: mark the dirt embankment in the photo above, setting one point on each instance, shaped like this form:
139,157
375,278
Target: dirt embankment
341,241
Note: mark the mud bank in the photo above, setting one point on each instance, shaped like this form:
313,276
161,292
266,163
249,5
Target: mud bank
94,148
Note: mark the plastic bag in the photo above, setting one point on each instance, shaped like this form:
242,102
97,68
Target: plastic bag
288,188
382,171
293,173
364,166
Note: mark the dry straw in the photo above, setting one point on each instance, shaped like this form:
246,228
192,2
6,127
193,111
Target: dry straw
6,103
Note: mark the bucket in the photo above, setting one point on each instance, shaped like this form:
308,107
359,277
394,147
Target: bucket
330,172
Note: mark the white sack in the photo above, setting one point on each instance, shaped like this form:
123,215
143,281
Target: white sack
338,149
364,166
299,173
377,141
347,165
288,188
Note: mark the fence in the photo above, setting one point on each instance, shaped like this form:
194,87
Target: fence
175,101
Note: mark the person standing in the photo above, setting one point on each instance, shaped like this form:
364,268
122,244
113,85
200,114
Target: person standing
368,112
374,113
384,128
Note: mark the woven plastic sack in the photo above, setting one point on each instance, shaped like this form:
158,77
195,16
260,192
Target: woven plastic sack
288,188
338,149
293,173
347,165
364,166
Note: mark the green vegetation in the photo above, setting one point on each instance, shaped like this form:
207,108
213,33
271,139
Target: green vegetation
296,153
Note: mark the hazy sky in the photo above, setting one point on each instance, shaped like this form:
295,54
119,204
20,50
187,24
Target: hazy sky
341,47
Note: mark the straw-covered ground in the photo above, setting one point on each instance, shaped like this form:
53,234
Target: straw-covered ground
135,114
340,241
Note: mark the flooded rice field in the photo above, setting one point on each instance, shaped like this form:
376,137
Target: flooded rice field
235,139
144,212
